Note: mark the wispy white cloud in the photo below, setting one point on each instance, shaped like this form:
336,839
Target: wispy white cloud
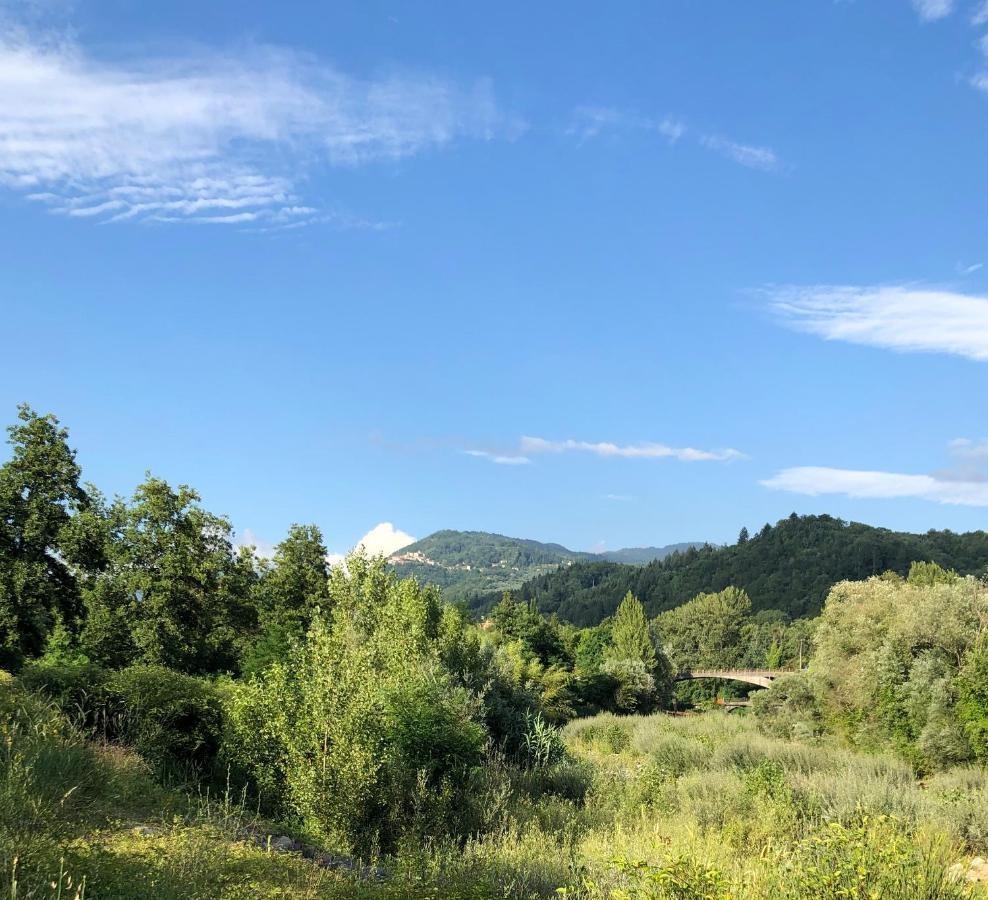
902,318
817,480
932,10
964,269
501,459
649,450
217,138
980,14
619,498
762,158
589,122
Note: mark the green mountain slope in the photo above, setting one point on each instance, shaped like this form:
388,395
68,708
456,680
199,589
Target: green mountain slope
789,567
471,563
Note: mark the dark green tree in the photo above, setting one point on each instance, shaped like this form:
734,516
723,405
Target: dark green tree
175,593
39,496
291,588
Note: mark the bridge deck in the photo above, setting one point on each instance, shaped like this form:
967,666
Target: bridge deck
758,677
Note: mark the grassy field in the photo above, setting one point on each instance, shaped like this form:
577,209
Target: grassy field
681,807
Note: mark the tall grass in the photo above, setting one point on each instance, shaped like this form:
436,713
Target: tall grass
651,806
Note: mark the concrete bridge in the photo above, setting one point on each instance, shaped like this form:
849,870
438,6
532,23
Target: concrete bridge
757,677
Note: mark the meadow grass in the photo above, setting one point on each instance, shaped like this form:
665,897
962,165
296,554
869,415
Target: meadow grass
643,807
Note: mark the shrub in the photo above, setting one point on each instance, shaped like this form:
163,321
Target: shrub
174,721
790,708
363,735
866,857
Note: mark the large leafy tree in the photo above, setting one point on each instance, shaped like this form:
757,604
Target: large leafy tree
40,552
292,588
706,632
175,592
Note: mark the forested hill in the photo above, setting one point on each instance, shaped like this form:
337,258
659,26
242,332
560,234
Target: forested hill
789,567
471,563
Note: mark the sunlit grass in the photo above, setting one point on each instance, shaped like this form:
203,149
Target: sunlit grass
657,806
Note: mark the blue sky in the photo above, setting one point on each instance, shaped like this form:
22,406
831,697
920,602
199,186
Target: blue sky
605,274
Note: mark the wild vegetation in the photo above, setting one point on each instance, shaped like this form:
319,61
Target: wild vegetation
175,709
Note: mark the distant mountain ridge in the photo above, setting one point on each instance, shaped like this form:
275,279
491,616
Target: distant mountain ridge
639,556
471,563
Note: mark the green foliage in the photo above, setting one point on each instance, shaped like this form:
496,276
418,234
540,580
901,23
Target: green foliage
523,622
790,567
362,735
630,637
791,708
591,648
680,878
706,632
173,720
864,858
39,498
174,592
888,657
972,697
289,592
927,574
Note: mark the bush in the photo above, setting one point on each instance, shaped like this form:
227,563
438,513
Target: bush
790,708
867,857
79,690
363,736
174,721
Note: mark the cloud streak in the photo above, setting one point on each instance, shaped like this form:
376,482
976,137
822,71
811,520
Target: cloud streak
901,318
817,480
208,137
500,459
536,445
748,155
932,10
591,122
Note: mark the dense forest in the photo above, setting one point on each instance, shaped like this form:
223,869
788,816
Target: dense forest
788,567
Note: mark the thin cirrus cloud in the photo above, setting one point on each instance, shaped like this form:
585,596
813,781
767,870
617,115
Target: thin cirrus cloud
753,157
206,137
529,447
500,459
932,10
901,318
536,445
589,122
